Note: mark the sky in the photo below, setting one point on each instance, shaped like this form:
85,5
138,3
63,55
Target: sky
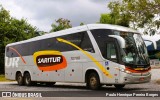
42,13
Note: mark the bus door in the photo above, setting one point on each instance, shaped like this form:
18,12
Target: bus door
111,62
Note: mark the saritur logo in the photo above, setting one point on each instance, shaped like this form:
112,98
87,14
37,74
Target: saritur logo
49,60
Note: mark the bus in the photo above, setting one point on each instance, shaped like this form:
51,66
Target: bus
95,54
153,47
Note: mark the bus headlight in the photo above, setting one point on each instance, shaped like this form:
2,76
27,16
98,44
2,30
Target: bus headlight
128,72
125,71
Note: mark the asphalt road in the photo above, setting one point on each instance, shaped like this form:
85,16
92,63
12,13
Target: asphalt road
64,90
13,86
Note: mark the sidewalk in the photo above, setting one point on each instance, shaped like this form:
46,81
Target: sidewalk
155,74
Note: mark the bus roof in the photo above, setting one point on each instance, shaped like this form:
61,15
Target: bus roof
77,29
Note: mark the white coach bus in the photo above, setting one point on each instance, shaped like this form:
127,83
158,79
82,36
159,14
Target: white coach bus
95,54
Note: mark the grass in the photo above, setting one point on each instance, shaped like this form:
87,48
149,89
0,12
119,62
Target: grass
2,78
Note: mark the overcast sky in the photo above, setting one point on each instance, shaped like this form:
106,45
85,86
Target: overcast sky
42,13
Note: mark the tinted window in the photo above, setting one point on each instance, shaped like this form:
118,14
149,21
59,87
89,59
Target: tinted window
86,43
80,39
22,49
49,44
10,53
111,52
34,46
101,36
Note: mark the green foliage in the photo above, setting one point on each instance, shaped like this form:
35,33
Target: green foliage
12,30
115,16
2,78
136,12
39,33
81,23
61,24
106,19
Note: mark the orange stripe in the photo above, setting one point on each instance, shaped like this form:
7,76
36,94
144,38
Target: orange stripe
18,54
135,71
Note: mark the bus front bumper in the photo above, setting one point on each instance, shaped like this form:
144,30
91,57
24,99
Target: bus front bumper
135,79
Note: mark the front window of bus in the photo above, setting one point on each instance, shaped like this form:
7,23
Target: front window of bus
135,51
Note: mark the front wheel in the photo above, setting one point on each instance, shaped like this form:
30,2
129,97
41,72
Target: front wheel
119,86
27,79
93,81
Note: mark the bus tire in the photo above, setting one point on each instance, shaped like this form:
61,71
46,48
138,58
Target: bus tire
119,86
19,79
93,81
27,79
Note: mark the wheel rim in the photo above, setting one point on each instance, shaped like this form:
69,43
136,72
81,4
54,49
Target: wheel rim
93,82
19,79
27,79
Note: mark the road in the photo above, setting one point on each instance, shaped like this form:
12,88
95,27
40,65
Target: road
79,90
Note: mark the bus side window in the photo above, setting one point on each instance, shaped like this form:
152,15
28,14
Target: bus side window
111,52
8,52
81,39
7,49
86,43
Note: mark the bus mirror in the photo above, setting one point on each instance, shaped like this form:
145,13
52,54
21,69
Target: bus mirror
121,41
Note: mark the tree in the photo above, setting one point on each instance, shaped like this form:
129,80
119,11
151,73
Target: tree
115,16
61,24
12,30
134,13
39,33
81,24
106,19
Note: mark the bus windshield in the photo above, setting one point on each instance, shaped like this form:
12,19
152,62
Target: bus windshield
135,51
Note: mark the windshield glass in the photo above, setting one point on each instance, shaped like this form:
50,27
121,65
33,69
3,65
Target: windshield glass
135,51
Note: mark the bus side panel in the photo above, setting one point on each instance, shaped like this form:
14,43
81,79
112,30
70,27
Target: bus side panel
11,67
113,69
74,69
88,66
40,75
